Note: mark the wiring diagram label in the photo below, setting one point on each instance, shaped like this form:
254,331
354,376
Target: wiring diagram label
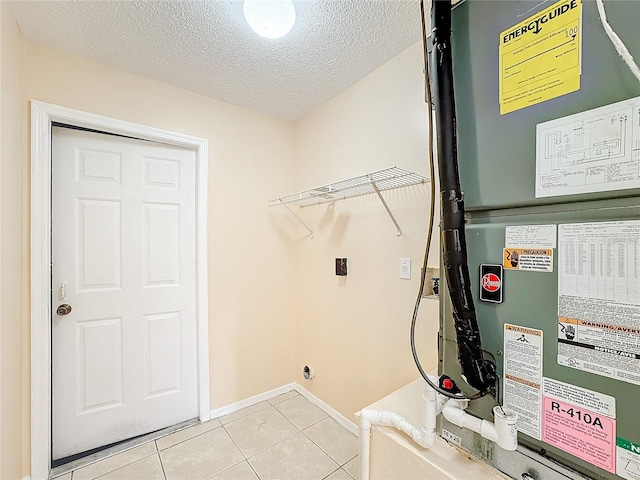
581,422
523,376
540,58
627,459
593,151
599,298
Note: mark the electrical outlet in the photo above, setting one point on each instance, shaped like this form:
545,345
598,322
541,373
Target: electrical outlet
405,268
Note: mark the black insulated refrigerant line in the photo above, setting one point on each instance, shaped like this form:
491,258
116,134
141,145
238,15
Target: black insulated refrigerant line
476,370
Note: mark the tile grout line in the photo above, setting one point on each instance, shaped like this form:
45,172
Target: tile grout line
161,462
288,419
243,416
327,453
266,448
350,460
228,468
186,439
118,468
317,445
349,473
122,466
291,422
284,400
251,467
325,478
299,430
122,447
245,458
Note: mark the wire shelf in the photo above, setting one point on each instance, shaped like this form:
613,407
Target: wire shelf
387,179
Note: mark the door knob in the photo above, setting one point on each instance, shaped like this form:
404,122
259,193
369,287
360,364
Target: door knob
64,309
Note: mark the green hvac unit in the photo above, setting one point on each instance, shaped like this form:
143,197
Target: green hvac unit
548,122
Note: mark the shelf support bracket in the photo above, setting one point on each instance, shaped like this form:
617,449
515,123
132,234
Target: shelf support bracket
297,218
393,219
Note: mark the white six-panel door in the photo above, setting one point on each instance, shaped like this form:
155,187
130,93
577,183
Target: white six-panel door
123,258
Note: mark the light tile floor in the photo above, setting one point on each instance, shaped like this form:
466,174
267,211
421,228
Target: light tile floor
284,438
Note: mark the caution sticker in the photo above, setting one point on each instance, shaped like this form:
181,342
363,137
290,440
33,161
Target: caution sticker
529,259
540,58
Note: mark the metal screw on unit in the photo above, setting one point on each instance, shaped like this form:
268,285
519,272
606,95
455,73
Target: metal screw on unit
64,309
526,476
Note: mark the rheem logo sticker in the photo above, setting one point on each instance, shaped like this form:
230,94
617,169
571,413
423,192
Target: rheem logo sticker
491,283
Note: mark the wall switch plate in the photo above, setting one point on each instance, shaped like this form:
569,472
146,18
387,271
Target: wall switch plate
405,268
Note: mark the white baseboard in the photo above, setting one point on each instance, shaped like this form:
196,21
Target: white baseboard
28,477
333,413
261,397
247,402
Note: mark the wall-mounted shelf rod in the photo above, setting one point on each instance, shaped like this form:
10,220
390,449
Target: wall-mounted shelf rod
376,182
297,217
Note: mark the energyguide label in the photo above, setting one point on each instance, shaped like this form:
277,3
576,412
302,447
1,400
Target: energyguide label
540,57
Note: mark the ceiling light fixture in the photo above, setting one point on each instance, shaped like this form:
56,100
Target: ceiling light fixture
270,18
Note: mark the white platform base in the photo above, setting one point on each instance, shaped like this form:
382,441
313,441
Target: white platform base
394,455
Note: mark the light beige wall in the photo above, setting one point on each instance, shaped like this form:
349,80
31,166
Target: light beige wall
354,330
250,262
250,161
11,268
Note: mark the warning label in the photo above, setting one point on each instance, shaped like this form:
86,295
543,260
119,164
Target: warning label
528,259
599,298
627,459
523,376
540,57
580,422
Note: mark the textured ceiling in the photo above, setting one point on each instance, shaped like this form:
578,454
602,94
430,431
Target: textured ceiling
206,46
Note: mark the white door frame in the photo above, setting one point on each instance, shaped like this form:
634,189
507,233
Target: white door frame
42,117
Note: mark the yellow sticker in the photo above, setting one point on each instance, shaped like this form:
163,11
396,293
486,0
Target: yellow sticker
528,259
540,58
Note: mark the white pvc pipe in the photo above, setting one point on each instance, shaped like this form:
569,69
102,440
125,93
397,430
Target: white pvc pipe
424,436
503,432
365,446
